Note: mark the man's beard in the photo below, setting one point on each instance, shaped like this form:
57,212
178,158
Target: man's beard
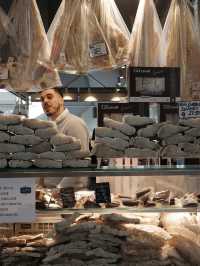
49,114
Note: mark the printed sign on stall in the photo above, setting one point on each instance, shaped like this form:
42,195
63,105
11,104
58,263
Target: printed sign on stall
189,109
17,200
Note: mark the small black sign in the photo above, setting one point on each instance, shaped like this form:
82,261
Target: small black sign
109,108
25,190
102,192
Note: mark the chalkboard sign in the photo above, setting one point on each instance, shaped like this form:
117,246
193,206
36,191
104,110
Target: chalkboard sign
154,82
189,109
102,192
109,108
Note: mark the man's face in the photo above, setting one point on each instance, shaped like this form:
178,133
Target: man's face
52,102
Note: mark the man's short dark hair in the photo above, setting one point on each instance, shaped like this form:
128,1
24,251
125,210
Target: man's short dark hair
59,90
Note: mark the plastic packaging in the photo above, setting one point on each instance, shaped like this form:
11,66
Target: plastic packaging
88,35
7,37
181,47
25,69
145,43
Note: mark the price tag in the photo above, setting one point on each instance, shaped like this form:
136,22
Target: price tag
17,200
3,72
97,49
189,109
102,192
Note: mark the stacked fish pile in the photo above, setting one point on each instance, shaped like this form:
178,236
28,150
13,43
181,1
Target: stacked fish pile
110,239
141,137
23,250
27,142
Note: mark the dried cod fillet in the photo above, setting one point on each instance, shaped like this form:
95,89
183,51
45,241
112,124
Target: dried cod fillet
11,148
76,145
23,156
94,28
181,47
173,151
26,72
61,138
179,138
187,248
10,119
193,122
144,143
114,28
4,137
76,163
3,163
60,156
39,148
189,148
20,130
193,132
19,164
3,127
109,132
46,133
169,130
47,163
8,47
77,154
141,153
145,43
149,131
121,126
25,139
114,143
137,121
104,151
37,124
117,218
154,235
4,155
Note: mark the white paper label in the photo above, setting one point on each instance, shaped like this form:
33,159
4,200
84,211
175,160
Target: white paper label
3,72
189,109
195,90
98,49
17,200
147,99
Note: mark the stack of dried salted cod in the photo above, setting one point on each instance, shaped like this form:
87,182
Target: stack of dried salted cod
145,43
182,47
87,35
26,72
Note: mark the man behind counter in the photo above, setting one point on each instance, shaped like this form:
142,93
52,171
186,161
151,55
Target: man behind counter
68,124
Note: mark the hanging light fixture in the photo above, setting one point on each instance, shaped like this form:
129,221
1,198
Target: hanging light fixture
68,98
116,99
90,97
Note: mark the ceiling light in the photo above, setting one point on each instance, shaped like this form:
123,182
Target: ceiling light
90,98
116,99
68,98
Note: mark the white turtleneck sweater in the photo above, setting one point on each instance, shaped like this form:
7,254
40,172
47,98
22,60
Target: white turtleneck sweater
74,126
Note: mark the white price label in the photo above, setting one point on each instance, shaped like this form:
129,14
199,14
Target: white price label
97,49
189,109
17,200
3,72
